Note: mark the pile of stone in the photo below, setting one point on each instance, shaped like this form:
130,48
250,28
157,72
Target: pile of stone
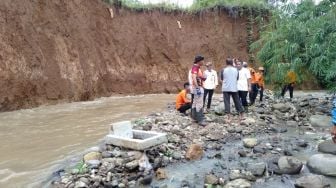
261,151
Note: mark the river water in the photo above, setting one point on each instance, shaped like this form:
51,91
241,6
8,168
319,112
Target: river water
36,142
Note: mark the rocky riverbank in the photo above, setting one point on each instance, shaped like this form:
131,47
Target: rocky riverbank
275,146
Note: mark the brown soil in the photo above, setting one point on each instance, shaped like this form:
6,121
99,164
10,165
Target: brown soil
52,51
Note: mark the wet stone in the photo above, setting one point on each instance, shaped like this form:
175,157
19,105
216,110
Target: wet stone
289,165
327,147
132,165
242,153
211,179
256,169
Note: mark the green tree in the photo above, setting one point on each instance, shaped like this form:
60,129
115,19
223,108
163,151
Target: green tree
301,38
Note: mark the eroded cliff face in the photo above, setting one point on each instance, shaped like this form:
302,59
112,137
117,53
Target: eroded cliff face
59,50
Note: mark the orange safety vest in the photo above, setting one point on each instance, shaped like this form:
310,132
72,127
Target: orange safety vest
181,99
253,76
260,79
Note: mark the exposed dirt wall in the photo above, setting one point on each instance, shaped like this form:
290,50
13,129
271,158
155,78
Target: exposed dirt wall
60,50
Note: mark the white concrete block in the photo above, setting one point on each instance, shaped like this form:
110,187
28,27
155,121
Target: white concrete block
141,140
122,129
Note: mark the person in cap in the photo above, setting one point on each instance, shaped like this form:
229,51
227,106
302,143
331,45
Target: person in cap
260,82
198,90
229,79
182,102
244,83
210,84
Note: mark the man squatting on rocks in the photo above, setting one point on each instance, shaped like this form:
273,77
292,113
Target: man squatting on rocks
229,78
182,102
198,91
210,84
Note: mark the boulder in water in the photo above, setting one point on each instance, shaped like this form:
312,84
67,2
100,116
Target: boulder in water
289,165
320,121
312,181
250,142
211,179
238,183
194,152
324,164
257,169
92,156
161,174
327,147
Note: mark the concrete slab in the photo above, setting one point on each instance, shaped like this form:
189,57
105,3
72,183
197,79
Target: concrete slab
122,129
141,140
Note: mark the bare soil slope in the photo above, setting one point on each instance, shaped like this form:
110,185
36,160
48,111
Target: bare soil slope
52,51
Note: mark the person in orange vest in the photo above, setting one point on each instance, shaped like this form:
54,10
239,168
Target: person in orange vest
182,102
259,77
290,82
254,86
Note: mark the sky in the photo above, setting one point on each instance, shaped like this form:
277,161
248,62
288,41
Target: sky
187,3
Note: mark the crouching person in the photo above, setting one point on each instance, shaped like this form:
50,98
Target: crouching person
182,102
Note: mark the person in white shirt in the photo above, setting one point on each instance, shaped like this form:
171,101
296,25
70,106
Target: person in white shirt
244,83
209,84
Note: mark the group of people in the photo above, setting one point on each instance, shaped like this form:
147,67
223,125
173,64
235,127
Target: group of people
238,82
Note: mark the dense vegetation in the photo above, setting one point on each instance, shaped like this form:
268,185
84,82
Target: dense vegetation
198,5
201,4
301,38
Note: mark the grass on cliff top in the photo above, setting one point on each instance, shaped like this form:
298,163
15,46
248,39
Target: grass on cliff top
198,5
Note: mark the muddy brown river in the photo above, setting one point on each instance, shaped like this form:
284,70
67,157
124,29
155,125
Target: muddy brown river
34,142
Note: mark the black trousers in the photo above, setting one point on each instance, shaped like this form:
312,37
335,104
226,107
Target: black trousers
206,92
253,94
236,102
289,87
243,97
184,107
261,93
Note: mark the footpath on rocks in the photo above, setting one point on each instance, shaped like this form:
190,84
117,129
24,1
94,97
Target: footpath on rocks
281,143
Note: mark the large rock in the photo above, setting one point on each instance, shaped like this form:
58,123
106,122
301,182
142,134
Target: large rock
320,121
327,147
132,165
194,152
92,156
312,181
250,142
289,165
256,169
211,179
238,183
161,174
248,121
324,164
281,107
219,109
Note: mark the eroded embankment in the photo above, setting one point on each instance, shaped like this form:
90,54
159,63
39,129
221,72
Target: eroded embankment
58,50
